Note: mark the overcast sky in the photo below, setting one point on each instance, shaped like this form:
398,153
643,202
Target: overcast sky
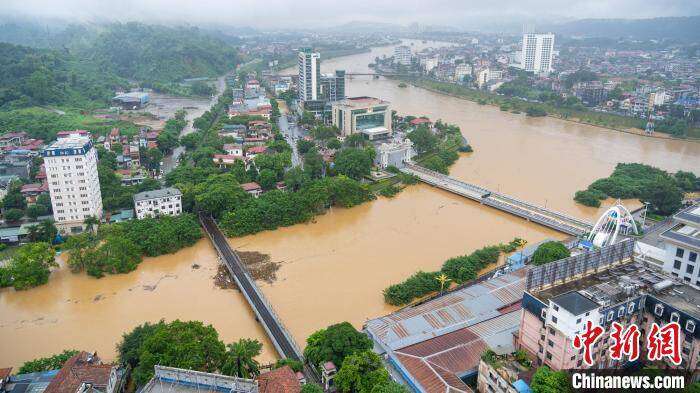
313,13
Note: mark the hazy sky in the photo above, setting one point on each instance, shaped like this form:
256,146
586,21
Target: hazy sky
309,13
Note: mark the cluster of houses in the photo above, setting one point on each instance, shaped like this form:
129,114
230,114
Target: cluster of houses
85,372
129,153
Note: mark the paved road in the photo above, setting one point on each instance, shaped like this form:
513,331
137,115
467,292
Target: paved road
283,342
290,132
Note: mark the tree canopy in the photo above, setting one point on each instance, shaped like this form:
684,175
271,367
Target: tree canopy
549,252
335,343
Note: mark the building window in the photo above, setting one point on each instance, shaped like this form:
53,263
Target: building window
611,314
693,256
578,321
556,308
543,313
674,317
554,319
630,308
689,268
677,264
552,332
620,312
680,252
550,343
690,326
659,309
549,356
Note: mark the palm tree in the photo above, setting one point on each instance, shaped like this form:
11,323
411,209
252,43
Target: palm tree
442,279
90,223
33,233
240,359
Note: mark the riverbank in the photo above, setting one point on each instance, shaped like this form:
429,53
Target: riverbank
519,106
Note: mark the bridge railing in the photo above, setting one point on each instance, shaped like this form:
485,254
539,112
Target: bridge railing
258,292
542,209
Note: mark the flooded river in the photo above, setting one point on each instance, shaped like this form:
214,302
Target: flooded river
335,268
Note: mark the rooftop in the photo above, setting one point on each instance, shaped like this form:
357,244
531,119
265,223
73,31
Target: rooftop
622,282
361,102
281,380
176,380
252,186
574,302
31,382
452,311
162,193
685,234
71,142
81,368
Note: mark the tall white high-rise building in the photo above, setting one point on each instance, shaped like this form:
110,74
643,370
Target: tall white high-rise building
402,55
309,74
537,52
74,186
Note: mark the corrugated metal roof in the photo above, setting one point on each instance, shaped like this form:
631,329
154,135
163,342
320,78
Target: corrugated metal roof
449,312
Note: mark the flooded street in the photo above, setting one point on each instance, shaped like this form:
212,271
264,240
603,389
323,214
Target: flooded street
335,268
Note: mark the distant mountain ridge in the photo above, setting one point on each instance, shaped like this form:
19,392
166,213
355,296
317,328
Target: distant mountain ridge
684,28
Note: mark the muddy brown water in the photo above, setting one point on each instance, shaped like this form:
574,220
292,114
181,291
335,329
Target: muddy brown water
335,268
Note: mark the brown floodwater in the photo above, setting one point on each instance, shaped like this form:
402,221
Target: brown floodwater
334,269
80,312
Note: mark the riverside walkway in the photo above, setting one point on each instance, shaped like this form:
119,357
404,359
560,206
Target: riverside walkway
280,337
543,216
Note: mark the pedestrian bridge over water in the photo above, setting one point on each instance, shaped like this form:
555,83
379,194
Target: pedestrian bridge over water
543,216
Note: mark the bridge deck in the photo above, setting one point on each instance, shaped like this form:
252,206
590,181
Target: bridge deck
280,337
549,218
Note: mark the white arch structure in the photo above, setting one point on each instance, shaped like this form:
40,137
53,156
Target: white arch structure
606,229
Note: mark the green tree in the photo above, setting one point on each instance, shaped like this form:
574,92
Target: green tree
549,252
547,381
267,179
218,194
190,345
353,163
355,140
304,146
14,198
361,372
313,164
240,359
664,195
311,387
47,363
128,349
423,139
36,210
334,343
30,265
390,387
13,215
334,143
295,365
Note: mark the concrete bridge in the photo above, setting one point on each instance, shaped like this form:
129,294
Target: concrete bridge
278,334
543,216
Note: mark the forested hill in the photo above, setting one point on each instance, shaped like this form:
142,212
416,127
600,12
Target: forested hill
159,54
36,77
86,64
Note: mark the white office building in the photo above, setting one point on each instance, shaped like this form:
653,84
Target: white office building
402,55
537,52
682,245
74,186
163,202
309,75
